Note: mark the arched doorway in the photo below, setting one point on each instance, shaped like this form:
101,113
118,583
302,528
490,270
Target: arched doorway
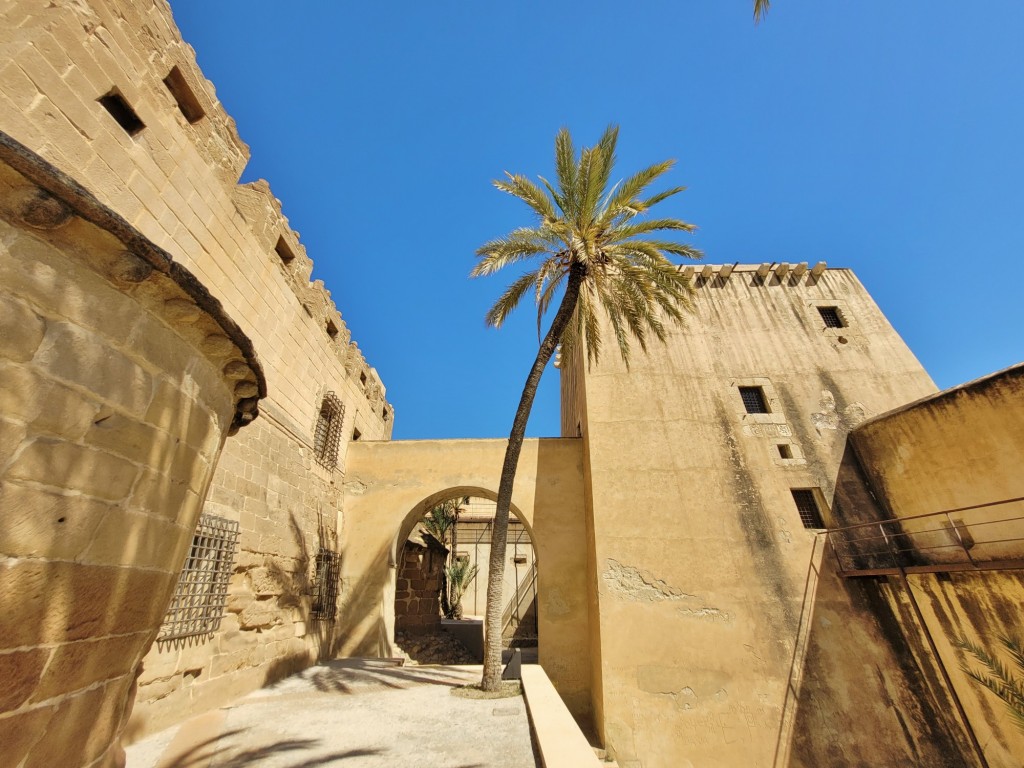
438,580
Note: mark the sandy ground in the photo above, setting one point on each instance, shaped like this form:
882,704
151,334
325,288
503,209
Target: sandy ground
355,714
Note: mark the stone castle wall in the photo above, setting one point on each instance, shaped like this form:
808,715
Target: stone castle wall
753,651
175,179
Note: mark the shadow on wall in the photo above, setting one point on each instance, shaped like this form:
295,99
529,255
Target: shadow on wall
861,657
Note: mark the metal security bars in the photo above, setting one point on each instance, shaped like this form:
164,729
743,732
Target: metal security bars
754,400
807,506
325,585
327,435
831,317
199,599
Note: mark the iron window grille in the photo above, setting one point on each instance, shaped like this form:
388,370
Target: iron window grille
754,400
807,506
327,435
202,591
325,585
831,317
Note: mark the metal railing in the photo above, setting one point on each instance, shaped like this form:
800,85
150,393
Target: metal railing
974,538
525,593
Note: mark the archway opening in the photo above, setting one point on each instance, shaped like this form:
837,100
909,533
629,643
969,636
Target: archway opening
440,565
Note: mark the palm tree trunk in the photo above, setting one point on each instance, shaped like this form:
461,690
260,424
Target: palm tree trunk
499,531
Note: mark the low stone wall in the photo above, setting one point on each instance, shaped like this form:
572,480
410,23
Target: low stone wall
418,589
119,379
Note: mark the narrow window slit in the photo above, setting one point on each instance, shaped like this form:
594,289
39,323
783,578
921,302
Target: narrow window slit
183,95
122,112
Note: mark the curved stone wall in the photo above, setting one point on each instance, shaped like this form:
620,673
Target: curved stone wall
119,380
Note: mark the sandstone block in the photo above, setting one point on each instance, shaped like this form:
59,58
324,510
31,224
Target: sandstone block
78,468
57,602
20,732
79,357
40,523
20,672
75,666
11,435
157,494
134,539
265,582
23,330
88,724
129,438
260,614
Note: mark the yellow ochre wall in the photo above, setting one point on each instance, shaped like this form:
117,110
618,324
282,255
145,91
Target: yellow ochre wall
389,486
954,450
752,652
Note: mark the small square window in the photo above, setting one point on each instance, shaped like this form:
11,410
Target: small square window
332,329
807,506
754,400
284,252
187,101
122,112
356,434
362,378
831,317
785,450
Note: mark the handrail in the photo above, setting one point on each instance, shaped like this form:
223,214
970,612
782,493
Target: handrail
901,544
522,592
928,514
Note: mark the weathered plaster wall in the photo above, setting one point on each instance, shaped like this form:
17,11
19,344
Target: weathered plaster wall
960,448
176,180
752,653
389,486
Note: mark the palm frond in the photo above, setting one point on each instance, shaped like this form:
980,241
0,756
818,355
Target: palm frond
517,245
630,285
510,299
625,194
997,677
566,168
760,9
529,193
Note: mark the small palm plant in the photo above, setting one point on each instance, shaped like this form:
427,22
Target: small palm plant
460,574
996,676
441,523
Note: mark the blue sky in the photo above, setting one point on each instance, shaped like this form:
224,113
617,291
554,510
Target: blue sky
882,136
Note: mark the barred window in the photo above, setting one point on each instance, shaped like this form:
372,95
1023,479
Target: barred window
202,592
831,317
807,506
325,585
328,431
754,400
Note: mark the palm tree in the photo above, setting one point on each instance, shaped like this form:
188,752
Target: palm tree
593,239
460,574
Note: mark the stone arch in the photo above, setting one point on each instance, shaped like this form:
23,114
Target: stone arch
405,529
390,485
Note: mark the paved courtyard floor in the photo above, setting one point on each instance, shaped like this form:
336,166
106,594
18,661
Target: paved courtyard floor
353,713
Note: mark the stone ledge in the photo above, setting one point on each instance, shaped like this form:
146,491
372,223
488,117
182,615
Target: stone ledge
559,740
64,198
